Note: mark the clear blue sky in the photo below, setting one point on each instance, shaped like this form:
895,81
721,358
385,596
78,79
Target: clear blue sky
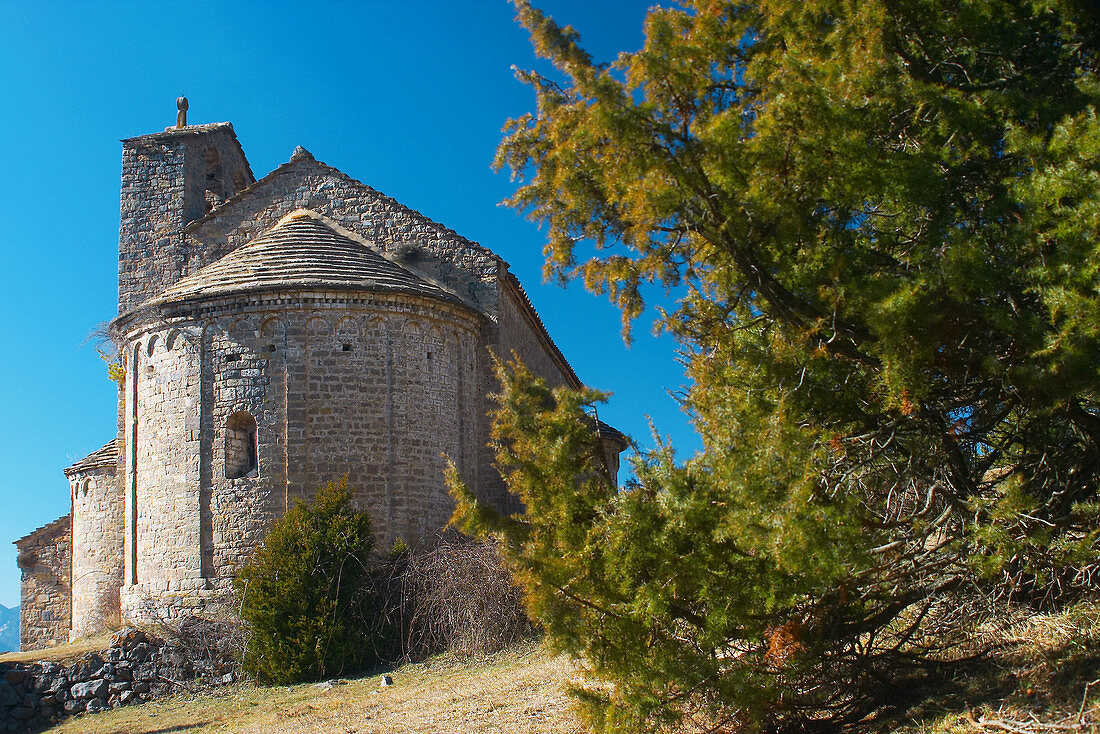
408,97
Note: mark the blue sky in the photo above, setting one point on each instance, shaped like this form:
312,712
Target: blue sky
408,97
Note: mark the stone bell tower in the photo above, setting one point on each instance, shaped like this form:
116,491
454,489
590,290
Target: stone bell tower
170,179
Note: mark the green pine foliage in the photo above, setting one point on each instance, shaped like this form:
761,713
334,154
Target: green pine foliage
883,218
306,592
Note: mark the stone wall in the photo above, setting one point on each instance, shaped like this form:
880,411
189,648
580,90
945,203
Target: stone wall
97,537
377,387
168,180
136,668
466,267
45,558
519,328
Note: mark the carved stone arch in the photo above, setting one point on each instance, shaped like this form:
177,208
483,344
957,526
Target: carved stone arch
318,327
243,331
241,446
347,334
318,338
84,483
273,335
348,326
190,339
151,346
456,349
171,340
435,348
412,332
273,326
376,324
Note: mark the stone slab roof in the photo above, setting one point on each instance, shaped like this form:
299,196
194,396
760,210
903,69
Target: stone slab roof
610,432
305,250
106,456
182,132
58,525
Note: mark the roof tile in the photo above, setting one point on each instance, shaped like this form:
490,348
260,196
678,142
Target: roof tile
304,250
106,456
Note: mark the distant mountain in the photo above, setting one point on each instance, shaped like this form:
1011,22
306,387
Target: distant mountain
9,628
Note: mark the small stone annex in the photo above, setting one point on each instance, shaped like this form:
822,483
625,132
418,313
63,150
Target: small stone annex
275,334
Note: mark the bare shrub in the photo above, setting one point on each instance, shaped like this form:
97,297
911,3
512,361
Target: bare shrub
211,639
216,635
453,595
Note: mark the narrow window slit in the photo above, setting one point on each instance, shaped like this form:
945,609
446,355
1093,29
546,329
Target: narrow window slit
241,446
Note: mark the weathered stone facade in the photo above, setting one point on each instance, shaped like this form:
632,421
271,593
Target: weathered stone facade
45,604
170,179
276,335
97,534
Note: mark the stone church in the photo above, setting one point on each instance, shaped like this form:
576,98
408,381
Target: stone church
274,334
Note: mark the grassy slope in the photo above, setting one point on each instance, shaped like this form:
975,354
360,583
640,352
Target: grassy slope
1041,675
63,654
520,691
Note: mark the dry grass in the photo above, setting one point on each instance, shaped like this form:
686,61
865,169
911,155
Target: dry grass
1038,677
1042,674
519,691
66,654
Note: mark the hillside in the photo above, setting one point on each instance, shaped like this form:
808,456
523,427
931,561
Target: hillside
9,628
1040,674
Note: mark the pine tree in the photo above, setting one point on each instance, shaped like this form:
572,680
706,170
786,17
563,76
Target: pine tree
884,218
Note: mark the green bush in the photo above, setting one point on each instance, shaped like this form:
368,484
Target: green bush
306,593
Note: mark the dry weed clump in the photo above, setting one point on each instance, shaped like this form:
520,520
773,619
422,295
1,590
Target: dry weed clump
212,638
452,595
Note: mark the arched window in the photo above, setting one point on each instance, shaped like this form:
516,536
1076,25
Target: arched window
240,446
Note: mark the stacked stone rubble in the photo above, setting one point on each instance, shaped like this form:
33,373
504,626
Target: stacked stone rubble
137,667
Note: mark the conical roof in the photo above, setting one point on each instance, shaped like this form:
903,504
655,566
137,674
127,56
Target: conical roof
304,250
106,456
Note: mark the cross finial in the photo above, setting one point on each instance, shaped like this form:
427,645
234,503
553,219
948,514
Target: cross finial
181,116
